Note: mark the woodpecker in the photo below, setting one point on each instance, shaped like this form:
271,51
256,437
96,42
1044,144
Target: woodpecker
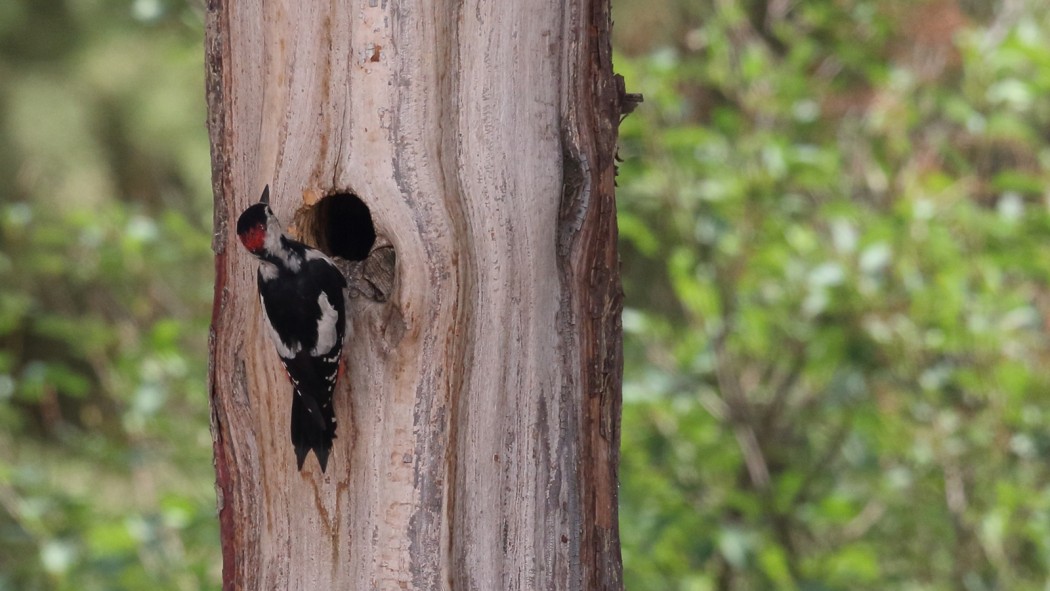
302,298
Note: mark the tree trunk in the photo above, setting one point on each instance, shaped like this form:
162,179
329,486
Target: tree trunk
479,414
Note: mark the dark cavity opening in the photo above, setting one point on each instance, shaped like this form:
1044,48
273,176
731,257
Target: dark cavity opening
343,226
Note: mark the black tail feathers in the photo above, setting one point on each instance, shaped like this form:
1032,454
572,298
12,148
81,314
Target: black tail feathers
313,428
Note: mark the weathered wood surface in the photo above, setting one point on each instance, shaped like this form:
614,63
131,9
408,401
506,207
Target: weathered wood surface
479,419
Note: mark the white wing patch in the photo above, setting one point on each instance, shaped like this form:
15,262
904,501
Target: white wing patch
285,350
326,326
313,254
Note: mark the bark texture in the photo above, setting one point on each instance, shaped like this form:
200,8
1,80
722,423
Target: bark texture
479,416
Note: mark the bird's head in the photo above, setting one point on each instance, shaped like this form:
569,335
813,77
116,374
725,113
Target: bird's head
257,223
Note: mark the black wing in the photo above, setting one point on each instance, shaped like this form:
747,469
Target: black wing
311,356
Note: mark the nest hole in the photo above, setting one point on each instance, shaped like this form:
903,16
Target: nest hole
342,226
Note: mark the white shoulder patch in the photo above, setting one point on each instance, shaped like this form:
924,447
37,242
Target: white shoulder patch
313,254
285,350
272,244
268,271
326,325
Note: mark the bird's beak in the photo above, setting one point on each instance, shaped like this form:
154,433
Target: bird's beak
265,199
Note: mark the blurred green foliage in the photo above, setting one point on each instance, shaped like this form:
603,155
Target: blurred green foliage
836,245
836,248
105,287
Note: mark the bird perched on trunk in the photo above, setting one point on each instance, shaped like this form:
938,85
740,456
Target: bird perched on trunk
302,297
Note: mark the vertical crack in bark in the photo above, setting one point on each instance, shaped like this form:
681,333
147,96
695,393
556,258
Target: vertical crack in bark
443,228
460,351
573,209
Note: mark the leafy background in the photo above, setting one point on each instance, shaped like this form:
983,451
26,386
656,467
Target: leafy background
836,241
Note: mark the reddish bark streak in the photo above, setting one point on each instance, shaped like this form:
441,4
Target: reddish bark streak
599,297
217,42
223,481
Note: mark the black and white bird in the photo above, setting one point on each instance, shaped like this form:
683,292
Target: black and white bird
302,297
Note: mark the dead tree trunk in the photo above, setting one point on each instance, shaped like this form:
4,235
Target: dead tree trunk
479,418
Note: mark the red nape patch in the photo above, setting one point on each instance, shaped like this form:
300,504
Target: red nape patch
254,238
